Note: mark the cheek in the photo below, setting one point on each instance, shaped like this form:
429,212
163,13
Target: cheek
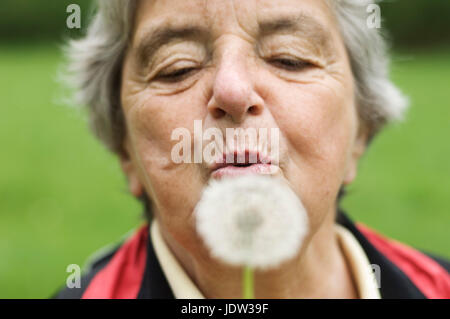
150,123
152,119
318,122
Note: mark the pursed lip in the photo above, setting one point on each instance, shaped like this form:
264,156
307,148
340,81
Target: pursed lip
242,163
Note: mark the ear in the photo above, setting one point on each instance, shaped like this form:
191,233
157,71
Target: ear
358,149
129,167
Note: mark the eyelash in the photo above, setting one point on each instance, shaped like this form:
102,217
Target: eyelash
176,75
291,64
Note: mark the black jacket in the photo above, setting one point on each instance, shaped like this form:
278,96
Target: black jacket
132,270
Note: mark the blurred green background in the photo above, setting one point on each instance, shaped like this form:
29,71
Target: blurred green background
62,195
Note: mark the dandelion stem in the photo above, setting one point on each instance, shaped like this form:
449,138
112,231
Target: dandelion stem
248,288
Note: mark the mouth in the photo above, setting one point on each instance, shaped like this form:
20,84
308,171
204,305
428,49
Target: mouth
242,163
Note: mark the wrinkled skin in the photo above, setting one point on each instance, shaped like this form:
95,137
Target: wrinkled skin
232,74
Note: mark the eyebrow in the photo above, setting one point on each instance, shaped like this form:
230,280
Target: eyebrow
154,39
309,27
161,35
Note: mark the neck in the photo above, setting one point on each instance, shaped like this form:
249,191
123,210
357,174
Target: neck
319,271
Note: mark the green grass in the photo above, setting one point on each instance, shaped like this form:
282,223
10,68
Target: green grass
403,187
62,195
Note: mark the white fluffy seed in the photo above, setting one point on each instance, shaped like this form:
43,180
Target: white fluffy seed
253,220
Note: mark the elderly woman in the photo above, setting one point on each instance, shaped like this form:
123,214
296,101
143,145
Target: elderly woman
312,69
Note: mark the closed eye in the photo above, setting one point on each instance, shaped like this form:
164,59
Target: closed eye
291,64
175,76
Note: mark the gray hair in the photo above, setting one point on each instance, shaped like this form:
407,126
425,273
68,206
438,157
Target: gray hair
95,67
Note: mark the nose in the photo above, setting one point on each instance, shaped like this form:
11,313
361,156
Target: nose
233,91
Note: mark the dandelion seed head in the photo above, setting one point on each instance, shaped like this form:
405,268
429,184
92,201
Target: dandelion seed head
251,220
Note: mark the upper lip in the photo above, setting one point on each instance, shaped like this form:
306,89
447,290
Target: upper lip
237,156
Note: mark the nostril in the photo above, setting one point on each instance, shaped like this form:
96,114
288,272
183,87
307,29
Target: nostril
253,110
218,113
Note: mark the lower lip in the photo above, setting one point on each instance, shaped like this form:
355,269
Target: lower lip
231,171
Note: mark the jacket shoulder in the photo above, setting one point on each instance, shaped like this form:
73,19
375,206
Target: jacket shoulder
105,270
429,273
94,265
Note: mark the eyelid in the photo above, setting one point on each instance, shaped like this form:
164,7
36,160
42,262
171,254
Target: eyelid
172,68
287,57
167,56
297,63
173,77
289,47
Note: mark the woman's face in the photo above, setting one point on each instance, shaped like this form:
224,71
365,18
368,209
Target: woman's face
248,64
